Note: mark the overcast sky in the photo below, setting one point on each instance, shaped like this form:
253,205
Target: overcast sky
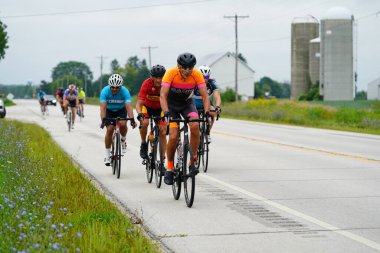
120,28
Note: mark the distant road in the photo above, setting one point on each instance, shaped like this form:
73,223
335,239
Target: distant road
269,188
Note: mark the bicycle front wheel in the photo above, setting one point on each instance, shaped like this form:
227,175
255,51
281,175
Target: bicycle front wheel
158,162
189,175
113,153
205,154
69,119
149,162
176,187
118,155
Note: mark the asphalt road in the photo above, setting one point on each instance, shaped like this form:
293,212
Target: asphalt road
269,188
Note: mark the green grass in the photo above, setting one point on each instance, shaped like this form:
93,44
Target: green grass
47,204
355,116
8,102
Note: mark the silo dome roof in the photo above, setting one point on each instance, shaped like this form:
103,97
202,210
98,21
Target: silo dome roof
316,40
338,13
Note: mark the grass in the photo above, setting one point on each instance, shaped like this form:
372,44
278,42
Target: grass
47,204
355,116
8,102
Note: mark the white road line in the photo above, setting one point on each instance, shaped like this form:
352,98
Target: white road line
306,217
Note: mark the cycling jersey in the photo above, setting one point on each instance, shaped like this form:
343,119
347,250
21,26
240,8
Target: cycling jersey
59,93
117,101
181,90
41,95
71,96
211,87
81,94
150,94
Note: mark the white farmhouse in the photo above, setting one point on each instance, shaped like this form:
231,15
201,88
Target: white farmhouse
373,91
223,71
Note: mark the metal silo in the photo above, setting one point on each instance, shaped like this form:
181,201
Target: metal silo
337,55
314,56
303,30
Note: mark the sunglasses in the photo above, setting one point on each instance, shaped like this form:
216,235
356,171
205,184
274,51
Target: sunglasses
115,88
206,77
186,68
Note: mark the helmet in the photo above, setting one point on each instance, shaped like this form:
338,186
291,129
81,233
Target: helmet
157,71
115,80
71,87
79,88
186,60
61,88
206,71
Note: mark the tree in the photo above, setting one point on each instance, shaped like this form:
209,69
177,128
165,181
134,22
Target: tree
266,84
3,40
72,68
114,66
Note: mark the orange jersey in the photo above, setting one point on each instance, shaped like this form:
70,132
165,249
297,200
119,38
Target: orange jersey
181,89
150,94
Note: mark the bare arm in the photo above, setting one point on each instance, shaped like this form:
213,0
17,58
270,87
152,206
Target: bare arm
205,98
139,105
217,98
164,98
129,108
102,110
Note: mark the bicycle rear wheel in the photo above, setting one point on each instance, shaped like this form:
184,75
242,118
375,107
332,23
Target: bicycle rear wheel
176,187
149,162
118,155
189,175
158,163
205,153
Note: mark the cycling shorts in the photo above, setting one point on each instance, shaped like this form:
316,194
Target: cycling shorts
187,109
72,103
122,113
147,111
81,101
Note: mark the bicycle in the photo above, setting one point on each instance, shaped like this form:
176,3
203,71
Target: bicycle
154,147
183,171
116,146
203,148
69,118
43,107
80,111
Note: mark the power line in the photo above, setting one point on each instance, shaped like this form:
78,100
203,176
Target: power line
103,10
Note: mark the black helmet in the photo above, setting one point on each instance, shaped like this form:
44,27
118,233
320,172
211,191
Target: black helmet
186,60
157,71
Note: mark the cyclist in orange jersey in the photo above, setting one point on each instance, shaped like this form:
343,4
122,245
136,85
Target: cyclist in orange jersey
176,100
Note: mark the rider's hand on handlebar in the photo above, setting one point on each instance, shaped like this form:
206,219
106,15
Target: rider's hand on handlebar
140,116
166,116
102,125
218,110
133,123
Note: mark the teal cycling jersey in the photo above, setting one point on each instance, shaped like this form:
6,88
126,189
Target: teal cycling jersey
116,101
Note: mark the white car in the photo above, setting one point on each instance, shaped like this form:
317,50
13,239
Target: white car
2,109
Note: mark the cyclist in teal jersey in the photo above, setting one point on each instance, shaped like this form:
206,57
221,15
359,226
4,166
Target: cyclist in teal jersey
115,101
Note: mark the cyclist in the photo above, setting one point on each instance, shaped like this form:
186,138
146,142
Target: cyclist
59,96
148,103
214,94
115,101
70,99
176,99
81,98
41,99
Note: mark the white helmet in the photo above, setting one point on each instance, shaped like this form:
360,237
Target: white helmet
206,71
115,80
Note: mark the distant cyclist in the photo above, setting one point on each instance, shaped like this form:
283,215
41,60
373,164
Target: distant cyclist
70,99
115,101
176,99
82,99
41,95
148,104
213,92
59,96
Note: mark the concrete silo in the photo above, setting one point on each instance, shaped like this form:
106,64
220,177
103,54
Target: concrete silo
304,29
337,55
314,57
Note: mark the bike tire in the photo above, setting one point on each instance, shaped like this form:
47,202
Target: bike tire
148,165
118,155
113,160
206,151
176,187
200,150
69,119
158,161
189,177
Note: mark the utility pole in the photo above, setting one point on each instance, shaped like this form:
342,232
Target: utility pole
149,49
236,52
101,72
